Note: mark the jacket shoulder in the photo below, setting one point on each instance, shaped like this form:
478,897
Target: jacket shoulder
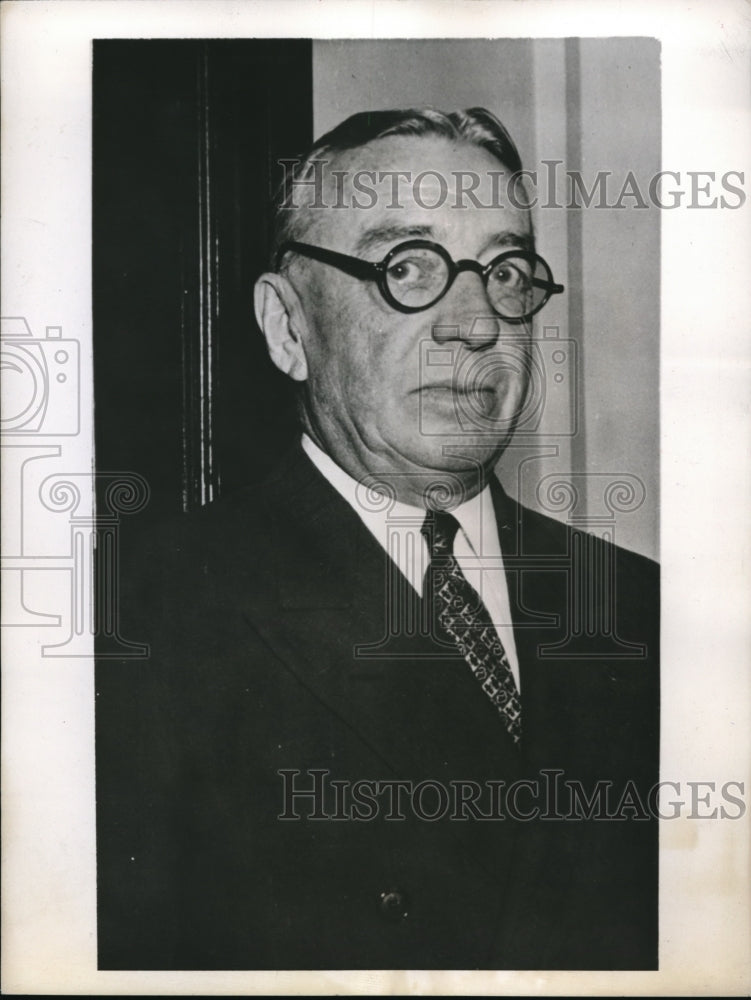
539,534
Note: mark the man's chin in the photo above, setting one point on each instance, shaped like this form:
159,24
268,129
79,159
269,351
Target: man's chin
459,454
437,471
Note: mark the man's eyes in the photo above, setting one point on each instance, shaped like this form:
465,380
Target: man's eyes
409,269
512,274
424,268
405,270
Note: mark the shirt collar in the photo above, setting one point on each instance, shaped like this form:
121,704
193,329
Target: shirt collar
476,516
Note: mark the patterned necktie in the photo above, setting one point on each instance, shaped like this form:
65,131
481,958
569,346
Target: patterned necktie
460,614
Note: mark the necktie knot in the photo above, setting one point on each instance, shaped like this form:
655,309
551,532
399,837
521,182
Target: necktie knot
439,531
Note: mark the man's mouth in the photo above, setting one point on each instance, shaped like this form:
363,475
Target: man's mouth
456,389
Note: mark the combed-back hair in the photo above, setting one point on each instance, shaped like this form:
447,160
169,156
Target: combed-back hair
475,125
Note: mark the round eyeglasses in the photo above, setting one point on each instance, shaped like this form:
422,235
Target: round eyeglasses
416,274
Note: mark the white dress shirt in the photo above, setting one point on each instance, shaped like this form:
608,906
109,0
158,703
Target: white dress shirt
396,527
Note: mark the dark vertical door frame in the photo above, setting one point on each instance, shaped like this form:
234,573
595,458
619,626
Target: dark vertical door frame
200,475
187,139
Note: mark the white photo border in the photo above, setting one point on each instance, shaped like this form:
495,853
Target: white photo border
49,871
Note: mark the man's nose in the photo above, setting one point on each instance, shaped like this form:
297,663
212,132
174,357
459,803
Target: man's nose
465,314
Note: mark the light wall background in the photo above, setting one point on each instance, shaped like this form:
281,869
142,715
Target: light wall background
594,105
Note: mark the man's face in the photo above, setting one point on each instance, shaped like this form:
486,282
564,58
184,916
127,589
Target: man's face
421,393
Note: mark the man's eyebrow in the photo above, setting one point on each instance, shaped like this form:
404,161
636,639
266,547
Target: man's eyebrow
389,233
525,241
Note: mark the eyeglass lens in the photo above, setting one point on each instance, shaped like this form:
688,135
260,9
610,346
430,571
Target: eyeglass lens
418,276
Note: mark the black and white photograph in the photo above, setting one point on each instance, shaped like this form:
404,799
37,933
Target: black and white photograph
390,716
368,577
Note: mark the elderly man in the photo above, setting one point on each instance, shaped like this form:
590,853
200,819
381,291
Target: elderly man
368,736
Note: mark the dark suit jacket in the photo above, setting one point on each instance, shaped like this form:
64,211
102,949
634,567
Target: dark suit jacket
270,651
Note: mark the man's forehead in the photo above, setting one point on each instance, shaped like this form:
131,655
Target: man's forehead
403,160
410,183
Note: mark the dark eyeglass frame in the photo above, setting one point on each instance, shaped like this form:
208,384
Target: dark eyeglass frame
367,270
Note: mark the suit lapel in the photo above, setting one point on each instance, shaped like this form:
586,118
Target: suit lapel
346,623
536,560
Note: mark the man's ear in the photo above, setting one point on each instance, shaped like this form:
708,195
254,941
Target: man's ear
280,317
